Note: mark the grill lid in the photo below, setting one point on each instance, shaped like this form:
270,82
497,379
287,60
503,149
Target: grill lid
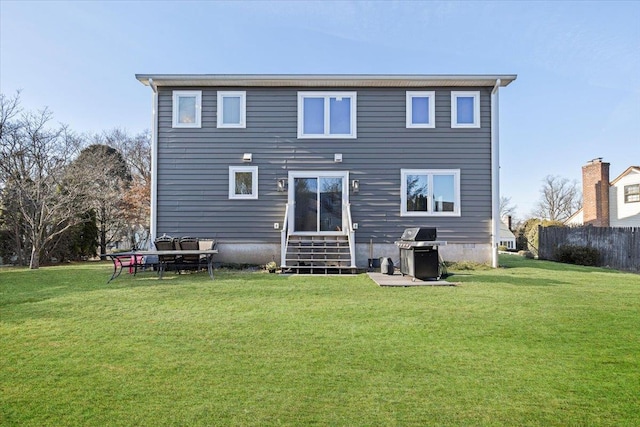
419,234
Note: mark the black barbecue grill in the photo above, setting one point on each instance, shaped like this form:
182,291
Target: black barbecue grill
419,253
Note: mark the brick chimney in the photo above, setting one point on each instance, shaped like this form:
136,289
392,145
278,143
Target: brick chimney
595,193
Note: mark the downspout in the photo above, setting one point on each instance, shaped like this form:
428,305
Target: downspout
495,174
154,164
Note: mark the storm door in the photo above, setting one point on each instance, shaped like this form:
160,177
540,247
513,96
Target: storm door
318,200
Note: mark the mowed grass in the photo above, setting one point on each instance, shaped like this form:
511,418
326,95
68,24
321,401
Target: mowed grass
534,343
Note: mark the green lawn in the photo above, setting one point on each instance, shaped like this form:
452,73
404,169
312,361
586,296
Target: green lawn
535,343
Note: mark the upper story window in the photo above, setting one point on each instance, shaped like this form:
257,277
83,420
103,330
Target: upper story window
430,192
632,193
243,182
465,109
187,109
421,109
232,109
326,114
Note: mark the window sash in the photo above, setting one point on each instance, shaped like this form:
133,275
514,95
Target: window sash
187,109
465,109
632,193
243,182
420,109
430,192
327,114
232,109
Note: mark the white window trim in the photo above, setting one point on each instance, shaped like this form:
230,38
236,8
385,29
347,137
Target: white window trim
177,94
232,182
626,197
476,109
431,95
430,173
327,95
243,109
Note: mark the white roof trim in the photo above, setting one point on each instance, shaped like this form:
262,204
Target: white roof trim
630,169
324,80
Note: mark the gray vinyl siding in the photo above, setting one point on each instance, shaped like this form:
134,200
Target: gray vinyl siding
193,165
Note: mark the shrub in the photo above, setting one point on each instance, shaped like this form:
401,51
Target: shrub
531,231
502,248
580,255
526,254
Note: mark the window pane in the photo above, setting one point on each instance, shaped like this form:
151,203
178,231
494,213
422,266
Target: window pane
443,193
417,188
465,109
187,109
632,193
313,116
244,181
306,207
231,110
330,204
340,116
420,110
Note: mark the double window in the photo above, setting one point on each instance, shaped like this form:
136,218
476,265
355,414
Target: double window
465,109
434,192
187,109
232,109
632,193
243,182
421,112
326,114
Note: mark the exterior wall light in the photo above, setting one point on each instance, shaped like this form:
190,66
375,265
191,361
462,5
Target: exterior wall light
282,184
355,185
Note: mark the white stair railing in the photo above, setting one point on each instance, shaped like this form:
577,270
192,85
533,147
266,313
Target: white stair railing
351,235
284,238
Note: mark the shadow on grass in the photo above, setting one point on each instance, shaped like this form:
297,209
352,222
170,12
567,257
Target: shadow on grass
515,281
20,285
511,261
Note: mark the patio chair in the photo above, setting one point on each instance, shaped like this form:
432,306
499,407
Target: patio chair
205,245
166,262
189,262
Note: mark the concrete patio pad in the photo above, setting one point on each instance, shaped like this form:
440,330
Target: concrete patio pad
397,279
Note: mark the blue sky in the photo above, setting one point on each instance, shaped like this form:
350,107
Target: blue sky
577,95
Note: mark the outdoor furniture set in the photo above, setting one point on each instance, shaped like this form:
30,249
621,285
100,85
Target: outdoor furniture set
178,254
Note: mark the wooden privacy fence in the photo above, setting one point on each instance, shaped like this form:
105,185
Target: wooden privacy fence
619,247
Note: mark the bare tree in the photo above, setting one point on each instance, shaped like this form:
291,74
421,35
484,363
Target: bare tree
506,208
559,199
33,164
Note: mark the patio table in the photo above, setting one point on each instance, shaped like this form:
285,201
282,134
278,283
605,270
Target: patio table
134,259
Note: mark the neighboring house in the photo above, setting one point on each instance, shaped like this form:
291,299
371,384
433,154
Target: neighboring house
326,171
507,238
608,203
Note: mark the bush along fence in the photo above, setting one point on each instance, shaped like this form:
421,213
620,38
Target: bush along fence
615,247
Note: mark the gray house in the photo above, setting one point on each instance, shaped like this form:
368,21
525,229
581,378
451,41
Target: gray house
326,171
